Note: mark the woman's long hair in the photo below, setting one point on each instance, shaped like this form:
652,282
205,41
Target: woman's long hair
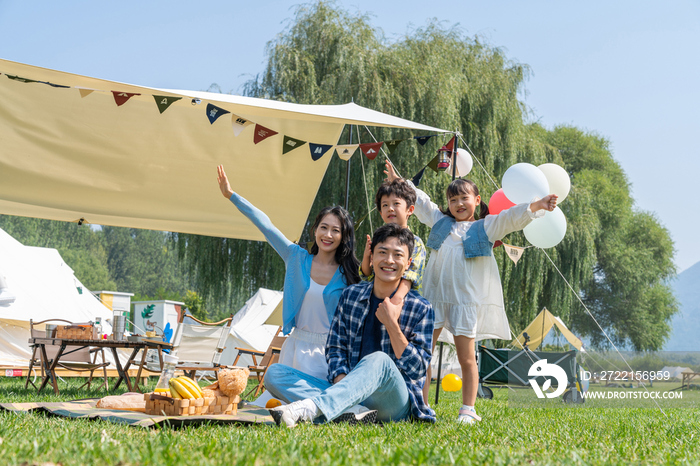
462,186
345,254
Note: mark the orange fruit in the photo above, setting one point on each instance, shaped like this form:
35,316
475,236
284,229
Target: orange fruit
273,403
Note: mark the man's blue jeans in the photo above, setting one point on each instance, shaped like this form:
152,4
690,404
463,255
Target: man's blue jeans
375,382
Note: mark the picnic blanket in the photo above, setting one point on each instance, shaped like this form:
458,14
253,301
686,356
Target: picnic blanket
85,409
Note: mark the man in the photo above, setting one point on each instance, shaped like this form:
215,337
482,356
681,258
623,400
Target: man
377,352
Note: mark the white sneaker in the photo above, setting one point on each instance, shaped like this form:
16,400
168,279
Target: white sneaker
467,416
357,414
291,414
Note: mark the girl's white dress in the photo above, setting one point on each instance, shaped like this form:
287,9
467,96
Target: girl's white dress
466,294
305,349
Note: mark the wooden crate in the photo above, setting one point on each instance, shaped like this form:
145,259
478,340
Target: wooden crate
168,406
77,332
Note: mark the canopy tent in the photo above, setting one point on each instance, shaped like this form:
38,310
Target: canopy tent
37,284
250,327
76,148
540,327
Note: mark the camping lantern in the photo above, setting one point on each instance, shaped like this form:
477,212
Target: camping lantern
444,156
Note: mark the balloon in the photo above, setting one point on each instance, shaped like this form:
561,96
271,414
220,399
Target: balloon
499,202
464,162
451,383
558,179
548,231
523,182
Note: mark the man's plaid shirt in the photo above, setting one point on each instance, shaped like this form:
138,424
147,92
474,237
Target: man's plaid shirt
416,323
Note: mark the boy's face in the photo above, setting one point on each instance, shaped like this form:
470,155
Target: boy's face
390,259
394,210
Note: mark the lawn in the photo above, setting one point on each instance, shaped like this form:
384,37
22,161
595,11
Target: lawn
507,435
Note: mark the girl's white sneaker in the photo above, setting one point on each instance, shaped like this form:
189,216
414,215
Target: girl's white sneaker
467,416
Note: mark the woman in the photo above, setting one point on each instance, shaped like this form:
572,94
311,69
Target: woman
313,280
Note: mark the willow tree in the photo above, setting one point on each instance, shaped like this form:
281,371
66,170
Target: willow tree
441,77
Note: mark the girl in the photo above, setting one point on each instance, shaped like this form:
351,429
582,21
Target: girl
313,281
461,279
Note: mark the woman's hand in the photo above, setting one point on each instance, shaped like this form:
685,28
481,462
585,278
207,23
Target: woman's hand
546,203
224,185
390,172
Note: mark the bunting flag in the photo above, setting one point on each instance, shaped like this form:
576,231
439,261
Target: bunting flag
20,79
262,133
514,252
419,176
346,151
423,139
214,112
317,150
393,144
239,124
121,97
433,164
61,86
371,149
291,144
84,92
165,101
451,144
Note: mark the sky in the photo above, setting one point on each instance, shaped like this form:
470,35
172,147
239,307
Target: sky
626,70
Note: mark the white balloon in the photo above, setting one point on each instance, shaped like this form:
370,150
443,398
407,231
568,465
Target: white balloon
548,231
464,162
558,178
523,181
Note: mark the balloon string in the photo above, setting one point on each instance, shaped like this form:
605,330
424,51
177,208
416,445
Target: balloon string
478,161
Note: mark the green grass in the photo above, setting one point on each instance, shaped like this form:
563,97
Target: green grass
573,435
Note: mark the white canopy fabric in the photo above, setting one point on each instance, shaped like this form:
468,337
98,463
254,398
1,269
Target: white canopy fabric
71,153
249,330
43,287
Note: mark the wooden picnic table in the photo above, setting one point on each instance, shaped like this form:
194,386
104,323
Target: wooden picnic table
687,377
75,345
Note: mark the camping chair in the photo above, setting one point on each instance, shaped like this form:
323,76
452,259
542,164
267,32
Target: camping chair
269,357
199,345
74,358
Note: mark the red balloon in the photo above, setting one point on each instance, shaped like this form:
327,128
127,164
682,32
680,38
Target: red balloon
499,202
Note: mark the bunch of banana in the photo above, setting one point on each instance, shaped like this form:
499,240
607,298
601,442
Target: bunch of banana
184,387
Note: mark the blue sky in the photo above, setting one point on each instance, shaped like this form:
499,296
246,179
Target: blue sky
627,70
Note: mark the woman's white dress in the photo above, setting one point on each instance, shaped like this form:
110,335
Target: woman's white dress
305,349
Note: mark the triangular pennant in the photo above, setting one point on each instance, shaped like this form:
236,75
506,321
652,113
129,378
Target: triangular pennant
513,252
317,150
433,164
393,144
20,79
121,97
214,112
416,179
239,124
291,144
423,139
371,149
450,145
85,92
345,151
262,133
165,101
61,86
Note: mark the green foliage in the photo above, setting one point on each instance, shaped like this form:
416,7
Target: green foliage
195,304
616,258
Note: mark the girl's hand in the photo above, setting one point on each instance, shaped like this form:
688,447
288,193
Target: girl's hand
546,203
224,185
390,172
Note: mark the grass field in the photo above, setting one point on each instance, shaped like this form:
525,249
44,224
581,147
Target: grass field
507,435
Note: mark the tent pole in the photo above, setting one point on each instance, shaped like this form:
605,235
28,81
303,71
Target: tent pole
347,177
437,387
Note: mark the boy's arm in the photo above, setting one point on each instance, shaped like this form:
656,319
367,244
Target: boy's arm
413,276
366,272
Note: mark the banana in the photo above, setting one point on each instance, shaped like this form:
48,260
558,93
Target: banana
181,389
173,390
192,385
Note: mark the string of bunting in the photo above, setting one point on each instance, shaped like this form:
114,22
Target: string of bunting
238,123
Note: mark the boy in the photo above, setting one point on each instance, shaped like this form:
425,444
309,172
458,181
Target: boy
395,202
